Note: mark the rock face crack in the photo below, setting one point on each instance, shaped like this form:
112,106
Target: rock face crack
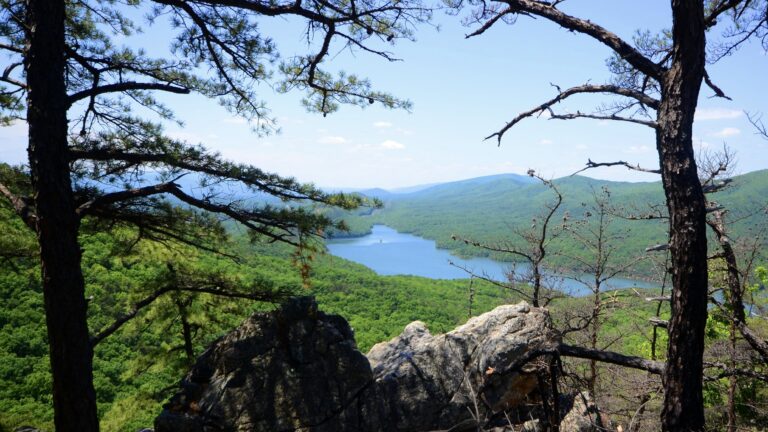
298,369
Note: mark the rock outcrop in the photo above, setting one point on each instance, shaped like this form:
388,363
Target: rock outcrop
580,414
299,369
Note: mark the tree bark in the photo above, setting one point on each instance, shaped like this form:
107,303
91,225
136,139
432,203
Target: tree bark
74,398
683,408
186,331
593,337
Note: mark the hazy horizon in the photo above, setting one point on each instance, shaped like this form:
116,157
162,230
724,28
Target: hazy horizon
464,90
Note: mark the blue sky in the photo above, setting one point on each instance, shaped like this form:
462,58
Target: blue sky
462,91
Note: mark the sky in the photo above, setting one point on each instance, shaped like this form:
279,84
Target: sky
462,91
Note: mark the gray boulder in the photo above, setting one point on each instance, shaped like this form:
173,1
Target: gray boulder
429,382
581,414
298,369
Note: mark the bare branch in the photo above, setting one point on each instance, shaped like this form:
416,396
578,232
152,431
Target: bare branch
578,114
715,187
618,45
658,322
659,299
716,89
757,122
651,366
727,372
488,24
12,48
7,75
658,247
587,88
21,205
754,340
637,167
483,277
722,7
13,81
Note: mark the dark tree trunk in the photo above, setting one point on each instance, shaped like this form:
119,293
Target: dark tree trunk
536,283
186,330
683,408
74,399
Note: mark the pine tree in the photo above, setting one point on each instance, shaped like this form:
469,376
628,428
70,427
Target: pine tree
81,97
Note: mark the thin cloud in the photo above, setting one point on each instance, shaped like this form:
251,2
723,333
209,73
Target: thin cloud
392,145
545,141
382,124
638,149
235,120
727,132
332,140
700,143
189,137
704,114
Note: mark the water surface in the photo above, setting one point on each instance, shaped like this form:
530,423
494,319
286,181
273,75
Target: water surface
388,252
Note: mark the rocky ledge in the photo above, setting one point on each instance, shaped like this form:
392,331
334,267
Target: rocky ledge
298,369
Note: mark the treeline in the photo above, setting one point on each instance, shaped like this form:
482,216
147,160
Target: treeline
135,367
491,211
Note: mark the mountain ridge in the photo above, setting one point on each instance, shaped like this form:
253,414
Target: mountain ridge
494,210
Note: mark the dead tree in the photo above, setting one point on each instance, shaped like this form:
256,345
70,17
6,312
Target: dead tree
732,265
657,83
532,251
594,265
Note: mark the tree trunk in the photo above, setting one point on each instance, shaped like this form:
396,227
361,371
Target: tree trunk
536,283
683,408
732,383
593,338
186,331
74,399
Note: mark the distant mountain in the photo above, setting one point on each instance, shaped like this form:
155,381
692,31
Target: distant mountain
490,209
468,185
432,188
410,189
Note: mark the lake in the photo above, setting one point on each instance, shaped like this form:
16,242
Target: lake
388,252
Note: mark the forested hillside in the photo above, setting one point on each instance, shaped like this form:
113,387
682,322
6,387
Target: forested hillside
135,365
492,209
139,223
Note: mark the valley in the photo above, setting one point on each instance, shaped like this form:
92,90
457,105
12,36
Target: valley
493,210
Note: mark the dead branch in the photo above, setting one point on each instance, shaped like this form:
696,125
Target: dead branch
658,247
21,205
578,114
651,366
590,164
716,89
562,95
602,35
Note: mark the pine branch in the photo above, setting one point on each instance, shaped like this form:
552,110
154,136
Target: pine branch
124,87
